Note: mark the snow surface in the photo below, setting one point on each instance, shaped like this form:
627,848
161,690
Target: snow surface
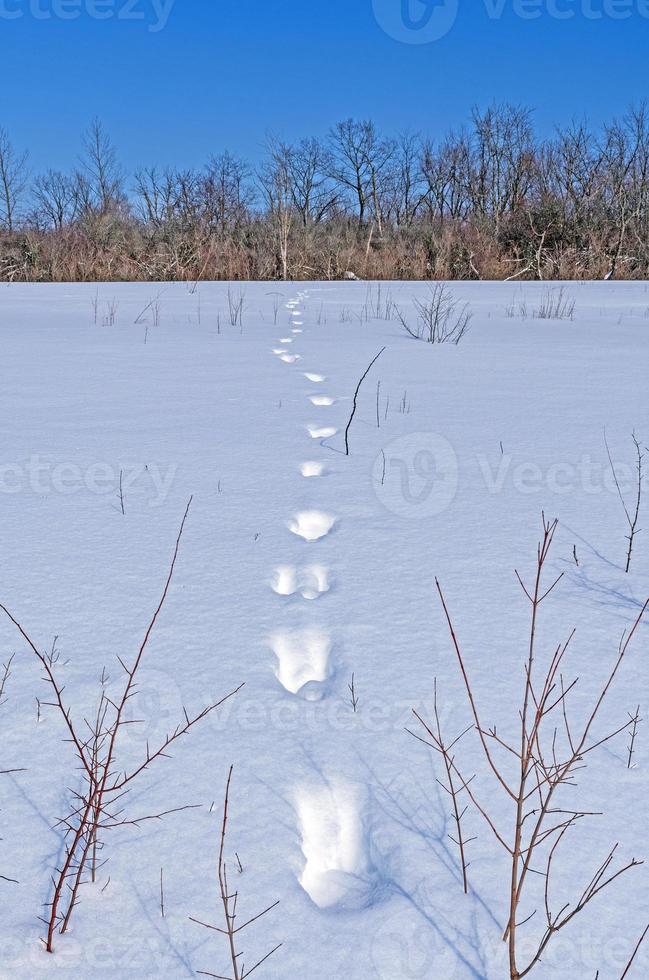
299,567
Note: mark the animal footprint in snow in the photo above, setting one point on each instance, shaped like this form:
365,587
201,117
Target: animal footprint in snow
316,378
311,469
289,358
311,582
312,524
321,432
280,350
338,872
303,662
296,331
286,340
321,400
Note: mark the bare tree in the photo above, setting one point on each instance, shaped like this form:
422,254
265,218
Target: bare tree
101,170
358,160
625,142
13,181
502,160
486,201
312,192
276,184
405,187
227,193
155,196
56,199
446,173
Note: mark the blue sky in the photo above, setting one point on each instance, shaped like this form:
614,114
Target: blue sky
222,73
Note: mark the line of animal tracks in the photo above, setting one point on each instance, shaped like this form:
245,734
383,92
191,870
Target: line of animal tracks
303,657
330,811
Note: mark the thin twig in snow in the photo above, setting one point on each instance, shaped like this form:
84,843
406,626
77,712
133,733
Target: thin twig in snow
355,401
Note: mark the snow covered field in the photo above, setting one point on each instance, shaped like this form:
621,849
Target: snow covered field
300,567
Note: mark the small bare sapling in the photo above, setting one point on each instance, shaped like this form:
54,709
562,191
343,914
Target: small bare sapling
353,694
635,720
236,306
632,514
556,305
441,320
451,785
230,901
111,313
536,769
98,805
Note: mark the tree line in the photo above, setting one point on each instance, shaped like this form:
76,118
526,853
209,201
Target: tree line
490,200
